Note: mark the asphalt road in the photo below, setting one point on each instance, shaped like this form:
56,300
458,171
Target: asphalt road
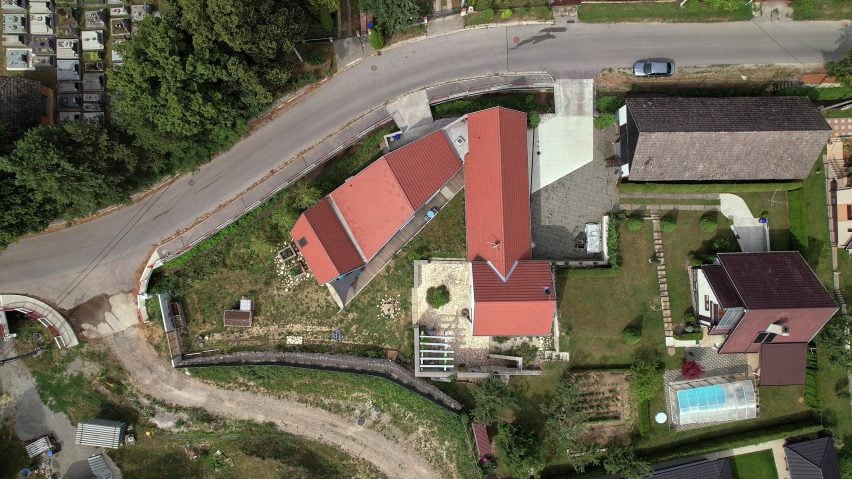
102,256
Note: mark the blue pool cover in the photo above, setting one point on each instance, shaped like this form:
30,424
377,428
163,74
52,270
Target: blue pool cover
715,403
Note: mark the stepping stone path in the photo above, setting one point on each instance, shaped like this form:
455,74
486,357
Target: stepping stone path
661,277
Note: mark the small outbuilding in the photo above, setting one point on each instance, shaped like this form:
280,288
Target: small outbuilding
239,318
100,433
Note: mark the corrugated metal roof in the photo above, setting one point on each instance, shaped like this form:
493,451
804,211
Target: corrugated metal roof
814,459
100,433
725,114
480,435
497,195
39,446
718,469
324,243
523,305
373,206
99,467
783,364
424,166
721,285
775,280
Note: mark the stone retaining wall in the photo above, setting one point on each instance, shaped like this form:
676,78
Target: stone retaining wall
331,362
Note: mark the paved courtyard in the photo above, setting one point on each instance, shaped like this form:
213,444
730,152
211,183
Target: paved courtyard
560,211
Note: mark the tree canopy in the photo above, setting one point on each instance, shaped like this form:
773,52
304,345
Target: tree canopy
492,396
73,168
645,380
193,78
841,69
393,15
622,461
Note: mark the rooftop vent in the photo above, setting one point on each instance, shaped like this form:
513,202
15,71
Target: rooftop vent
460,140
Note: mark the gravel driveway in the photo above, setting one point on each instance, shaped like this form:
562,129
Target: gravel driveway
153,376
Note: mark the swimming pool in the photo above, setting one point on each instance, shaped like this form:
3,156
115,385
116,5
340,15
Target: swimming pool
715,403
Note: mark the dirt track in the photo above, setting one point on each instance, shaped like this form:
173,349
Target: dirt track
153,376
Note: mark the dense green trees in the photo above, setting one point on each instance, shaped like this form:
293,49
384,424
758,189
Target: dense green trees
841,69
76,167
492,397
393,15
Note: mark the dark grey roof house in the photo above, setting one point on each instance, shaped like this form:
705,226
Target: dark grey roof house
814,459
22,101
718,469
721,139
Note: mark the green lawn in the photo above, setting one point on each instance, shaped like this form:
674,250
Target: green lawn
822,10
688,240
772,205
834,398
693,11
809,224
757,465
594,308
437,434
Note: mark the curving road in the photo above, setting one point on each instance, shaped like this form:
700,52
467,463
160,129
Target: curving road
102,256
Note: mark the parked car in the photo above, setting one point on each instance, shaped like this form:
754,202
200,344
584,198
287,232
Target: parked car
654,67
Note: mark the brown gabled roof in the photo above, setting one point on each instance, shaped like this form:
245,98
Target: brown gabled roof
721,285
783,364
237,318
775,280
722,139
725,114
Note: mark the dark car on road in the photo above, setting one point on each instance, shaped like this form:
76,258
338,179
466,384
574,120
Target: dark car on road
654,67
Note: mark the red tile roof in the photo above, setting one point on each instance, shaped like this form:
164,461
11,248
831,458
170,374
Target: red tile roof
374,206
424,166
497,191
324,243
522,305
783,364
775,280
480,435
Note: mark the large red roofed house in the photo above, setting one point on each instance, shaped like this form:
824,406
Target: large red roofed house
513,295
770,303
350,226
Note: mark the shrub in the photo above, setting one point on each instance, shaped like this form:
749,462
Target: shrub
521,12
533,119
634,223
725,5
723,245
527,351
507,13
484,5
604,121
691,370
437,296
541,12
314,57
487,14
377,40
631,335
667,224
609,104
709,223
612,241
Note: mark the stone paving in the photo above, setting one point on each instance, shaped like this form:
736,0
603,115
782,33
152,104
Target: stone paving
663,280
560,211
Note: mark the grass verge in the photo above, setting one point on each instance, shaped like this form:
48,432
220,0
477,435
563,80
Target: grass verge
822,10
693,11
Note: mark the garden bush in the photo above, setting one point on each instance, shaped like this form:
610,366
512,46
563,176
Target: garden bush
709,223
609,104
437,296
541,12
481,5
634,223
726,5
691,370
631,335
314,57
377,40
521,12
604,121
667,224
507,13
612,241
533,119
487,15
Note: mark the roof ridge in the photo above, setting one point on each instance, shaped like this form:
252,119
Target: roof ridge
346,228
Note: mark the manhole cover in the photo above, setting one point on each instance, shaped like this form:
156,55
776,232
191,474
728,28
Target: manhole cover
516,39
374,68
